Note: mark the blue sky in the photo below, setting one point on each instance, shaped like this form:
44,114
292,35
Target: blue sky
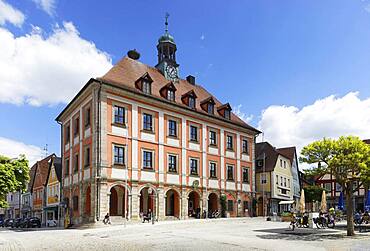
257,55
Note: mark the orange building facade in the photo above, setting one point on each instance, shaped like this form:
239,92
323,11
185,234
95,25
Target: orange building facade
140,139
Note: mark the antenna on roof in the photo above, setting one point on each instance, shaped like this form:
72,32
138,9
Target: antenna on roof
166,23
46,150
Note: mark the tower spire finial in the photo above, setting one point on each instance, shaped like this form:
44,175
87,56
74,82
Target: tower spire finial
166,23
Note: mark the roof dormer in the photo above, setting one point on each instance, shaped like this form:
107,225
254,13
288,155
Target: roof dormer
144,83
208,105
189,99
225,111
168,91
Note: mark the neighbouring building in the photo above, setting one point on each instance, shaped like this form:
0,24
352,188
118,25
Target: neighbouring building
52,208
27,196
291,153
14,205
274,180
38,187
141,138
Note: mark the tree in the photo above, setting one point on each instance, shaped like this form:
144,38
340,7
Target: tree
347,159
313,193
14,176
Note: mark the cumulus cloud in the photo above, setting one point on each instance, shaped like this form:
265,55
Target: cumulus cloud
10,14
328,117
46,5
237,110
12,149
40,69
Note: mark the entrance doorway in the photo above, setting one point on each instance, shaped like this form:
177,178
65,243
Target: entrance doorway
212,203
147,200
194,205
117,201
172,203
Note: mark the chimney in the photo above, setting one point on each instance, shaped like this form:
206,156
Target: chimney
191,79
133,54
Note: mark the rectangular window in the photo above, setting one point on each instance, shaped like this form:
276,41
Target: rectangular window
87,157
87,117
172,163
284,182
210,108
281,163
147,87
281,181
288,183
147,122
192,102
193,166
147,160
338,187
76,163
119,155
245,146
246,175
227,114
263,178
277,179
76,127
172,128
229,142
75,203
230,205
193,133
212,170
66,167
170,95
327,187
230,172
68,134
284,164
212,138
119,115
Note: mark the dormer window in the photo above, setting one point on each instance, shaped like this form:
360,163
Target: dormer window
170,95
168,92
210,108
147,87
189,99
191,102
227,114
225,111
144,83
208,105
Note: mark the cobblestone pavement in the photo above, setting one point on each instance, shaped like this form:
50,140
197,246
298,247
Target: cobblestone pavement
220,234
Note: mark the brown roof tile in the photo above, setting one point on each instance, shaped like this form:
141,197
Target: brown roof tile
127,71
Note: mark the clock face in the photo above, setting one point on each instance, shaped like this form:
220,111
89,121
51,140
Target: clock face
171,71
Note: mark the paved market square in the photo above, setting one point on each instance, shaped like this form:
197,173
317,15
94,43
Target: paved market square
219,234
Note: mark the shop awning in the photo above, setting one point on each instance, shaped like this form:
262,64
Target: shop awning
285,202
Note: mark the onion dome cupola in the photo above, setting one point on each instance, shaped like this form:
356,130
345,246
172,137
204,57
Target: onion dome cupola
167,55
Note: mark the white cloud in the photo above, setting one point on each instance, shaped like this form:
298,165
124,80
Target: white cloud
202,37
10,14
329,117
46,5
12,149
237,110
38,69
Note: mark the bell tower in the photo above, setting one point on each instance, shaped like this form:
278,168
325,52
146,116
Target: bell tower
166,48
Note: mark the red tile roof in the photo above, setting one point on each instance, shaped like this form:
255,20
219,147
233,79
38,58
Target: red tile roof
127,71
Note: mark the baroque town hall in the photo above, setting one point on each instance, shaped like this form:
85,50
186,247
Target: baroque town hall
141,139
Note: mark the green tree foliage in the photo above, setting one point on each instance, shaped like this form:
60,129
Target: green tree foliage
347,159
14,176
313,193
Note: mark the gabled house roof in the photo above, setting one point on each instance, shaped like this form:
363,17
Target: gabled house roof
41,171
57,163
271,156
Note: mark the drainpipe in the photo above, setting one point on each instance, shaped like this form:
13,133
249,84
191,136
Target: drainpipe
98,173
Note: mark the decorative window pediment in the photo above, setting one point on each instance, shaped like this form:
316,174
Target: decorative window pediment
168,91
208,105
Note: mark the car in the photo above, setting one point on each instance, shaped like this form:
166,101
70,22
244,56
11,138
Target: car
32,222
